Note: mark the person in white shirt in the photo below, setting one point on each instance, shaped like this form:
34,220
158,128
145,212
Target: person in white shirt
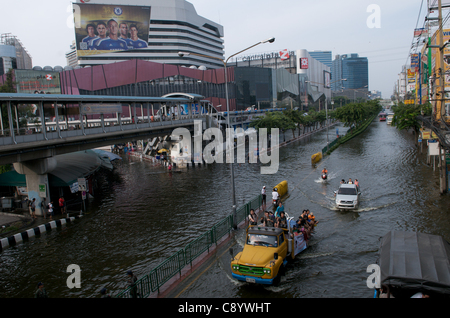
263,192
275,197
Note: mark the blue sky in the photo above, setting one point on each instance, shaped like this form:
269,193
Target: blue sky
338,26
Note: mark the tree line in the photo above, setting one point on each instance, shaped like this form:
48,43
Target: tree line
351,115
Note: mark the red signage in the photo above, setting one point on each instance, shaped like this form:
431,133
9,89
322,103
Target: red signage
304,63
284,55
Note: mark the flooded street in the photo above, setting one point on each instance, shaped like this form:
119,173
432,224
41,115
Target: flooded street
144,214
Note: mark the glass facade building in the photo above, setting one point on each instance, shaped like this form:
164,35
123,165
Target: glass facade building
353,68
323,57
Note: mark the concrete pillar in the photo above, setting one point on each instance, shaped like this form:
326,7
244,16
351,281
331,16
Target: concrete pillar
37,179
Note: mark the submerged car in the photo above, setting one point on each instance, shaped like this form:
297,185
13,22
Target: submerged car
347,197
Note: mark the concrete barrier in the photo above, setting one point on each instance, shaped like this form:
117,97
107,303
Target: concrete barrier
315,158
41,229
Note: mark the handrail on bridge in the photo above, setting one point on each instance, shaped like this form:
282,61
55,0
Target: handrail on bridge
81,112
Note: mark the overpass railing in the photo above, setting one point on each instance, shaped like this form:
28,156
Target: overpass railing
34,132
173,266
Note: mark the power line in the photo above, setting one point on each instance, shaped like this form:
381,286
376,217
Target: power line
417,23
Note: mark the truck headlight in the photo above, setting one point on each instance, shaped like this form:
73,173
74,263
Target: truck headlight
266,270
235,267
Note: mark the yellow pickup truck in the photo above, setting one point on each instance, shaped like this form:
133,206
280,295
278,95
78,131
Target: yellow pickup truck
266,253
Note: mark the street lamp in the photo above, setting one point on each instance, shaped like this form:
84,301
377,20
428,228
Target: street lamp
182,54
326,104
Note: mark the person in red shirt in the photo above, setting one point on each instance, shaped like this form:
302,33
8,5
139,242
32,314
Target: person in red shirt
62,205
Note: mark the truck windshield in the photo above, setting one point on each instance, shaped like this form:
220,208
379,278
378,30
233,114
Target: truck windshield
262,240
349,191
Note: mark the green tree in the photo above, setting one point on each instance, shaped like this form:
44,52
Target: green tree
7,87
405,116
297,119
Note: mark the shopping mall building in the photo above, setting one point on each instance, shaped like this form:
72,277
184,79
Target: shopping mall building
283,78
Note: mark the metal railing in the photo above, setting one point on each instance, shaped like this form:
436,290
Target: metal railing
174,265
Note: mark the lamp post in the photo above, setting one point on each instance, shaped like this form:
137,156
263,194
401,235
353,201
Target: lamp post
326,105
182,54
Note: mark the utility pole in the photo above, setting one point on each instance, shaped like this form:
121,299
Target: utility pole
441,102
439,93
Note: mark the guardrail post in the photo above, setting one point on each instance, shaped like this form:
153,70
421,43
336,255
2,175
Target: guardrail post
58,129
11,122
41,111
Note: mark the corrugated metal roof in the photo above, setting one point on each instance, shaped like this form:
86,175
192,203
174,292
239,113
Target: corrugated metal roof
414,260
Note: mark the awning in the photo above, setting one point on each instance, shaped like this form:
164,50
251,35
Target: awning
12,179
411,260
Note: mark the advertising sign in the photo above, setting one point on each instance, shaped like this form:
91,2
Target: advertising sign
101,28
414,60
42,191
419,32
326,79
196,110
299,244
30,81
304,63
433,4
81,184
435,41
284,55
428,134
106,108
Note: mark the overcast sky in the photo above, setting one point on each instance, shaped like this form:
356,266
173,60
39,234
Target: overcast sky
45,28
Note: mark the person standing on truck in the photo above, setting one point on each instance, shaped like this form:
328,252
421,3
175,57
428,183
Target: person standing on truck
282,221
263,193
253,219
280,209
268,221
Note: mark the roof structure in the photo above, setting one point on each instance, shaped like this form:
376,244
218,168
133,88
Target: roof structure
69,167
415,261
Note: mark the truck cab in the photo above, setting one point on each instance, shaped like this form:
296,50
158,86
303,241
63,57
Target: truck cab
347,197
264,257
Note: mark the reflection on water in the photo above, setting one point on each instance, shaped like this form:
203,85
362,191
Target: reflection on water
143,214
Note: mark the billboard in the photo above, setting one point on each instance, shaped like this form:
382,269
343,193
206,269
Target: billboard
433,4
102,28
30,81
326,79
